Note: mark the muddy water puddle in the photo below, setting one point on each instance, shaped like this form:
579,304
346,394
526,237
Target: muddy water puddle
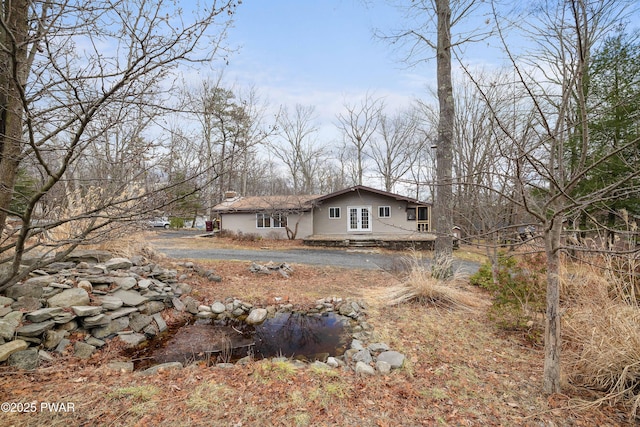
293,335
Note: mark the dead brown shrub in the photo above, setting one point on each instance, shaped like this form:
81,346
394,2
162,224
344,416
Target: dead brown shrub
602,337
422,287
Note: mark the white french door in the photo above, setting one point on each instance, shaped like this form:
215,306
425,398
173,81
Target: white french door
359,218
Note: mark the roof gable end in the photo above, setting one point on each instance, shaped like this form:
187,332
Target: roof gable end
363,188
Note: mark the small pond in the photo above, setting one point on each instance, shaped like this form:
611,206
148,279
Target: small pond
293,335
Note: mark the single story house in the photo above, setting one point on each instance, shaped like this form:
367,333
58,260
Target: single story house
358,215
268,216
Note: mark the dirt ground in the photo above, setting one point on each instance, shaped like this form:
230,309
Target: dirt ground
461,370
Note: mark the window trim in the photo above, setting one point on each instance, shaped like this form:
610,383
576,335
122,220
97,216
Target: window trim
425,210
335,209
261,218
387,208
277,220
412,214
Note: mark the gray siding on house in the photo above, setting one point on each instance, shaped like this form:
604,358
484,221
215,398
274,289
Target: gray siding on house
246,223
397,223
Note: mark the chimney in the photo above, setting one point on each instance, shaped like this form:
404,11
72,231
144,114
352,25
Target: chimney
230,195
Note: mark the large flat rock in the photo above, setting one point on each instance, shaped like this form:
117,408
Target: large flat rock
9,348
129,298
8,328
28,289
133,340
115,326
86,310
44,314
393,358
89,256
35,329
109,302
256,316
69,297
124,311
118,264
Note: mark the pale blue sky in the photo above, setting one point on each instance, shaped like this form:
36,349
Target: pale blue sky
324,53
315,42
321,53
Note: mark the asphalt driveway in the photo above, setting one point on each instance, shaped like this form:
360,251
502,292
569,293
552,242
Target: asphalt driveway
345,258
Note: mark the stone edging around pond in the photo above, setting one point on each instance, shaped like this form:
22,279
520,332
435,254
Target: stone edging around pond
363,359
101,297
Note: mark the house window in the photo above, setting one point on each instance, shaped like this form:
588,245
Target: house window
334,213
423,213
411,214
263,220
423,218
279,220
384,211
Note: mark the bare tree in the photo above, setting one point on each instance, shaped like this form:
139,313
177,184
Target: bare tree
423,172
443,202
330,177
182,158
358,126
393,153
481,156
68,71
553,77
231,124
255,132
298,149
265,178
422,45
572,29
215,109
347,157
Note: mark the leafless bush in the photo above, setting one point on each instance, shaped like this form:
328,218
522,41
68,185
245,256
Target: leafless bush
247,237
240,236
274,235
224,233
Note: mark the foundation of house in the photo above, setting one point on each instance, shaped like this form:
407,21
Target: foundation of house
390,241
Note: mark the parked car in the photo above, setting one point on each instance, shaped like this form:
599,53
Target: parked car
159,222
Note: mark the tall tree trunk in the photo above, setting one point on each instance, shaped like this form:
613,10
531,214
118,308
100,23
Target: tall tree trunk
443,212
13,62
552,337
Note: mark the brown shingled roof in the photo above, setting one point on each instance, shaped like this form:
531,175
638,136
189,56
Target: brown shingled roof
298,203
262,203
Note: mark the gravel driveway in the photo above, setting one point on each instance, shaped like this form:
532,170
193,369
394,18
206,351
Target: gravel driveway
346,258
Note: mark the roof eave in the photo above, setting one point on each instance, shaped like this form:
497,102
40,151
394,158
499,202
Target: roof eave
371,190
259,210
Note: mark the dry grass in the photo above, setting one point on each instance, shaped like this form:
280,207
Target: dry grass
621,271
602,337
422,287
460,370
139,393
